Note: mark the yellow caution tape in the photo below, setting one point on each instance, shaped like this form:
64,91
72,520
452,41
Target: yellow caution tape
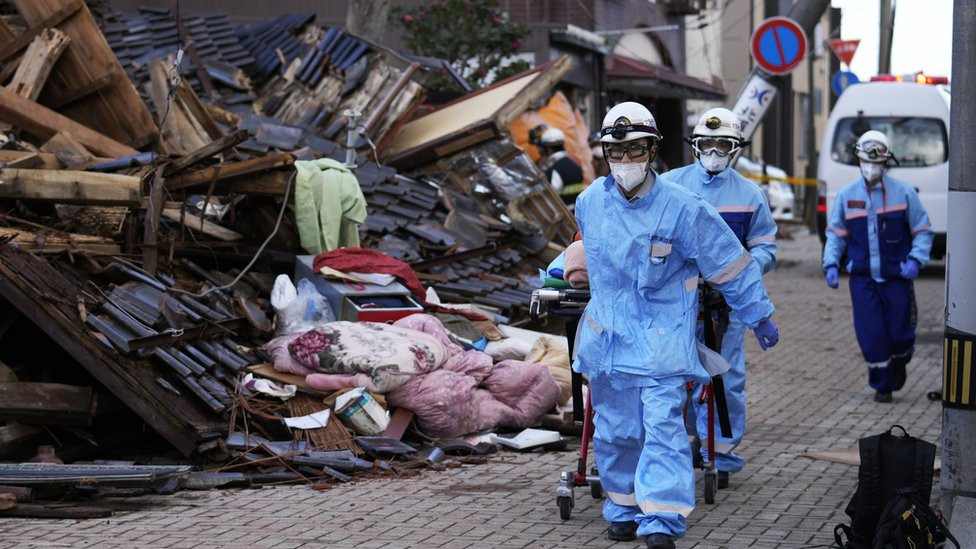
790,180
575,188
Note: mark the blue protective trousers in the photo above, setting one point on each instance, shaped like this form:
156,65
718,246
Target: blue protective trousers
643,456
733,350
884,322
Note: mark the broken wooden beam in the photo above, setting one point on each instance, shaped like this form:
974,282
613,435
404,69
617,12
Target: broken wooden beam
116,110
229,169
46,403
60,510
37,241
208,150
44,123
62,98
52,20
43,52
70,187
150,236
29,159
69,151
201,225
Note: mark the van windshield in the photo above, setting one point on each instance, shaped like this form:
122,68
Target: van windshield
916,142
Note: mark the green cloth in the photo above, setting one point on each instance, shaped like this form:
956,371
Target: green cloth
329,205
552,282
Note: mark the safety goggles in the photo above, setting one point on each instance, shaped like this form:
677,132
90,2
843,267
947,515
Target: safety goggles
617,151
874,151
722,145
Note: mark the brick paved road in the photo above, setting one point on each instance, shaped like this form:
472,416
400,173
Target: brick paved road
809,393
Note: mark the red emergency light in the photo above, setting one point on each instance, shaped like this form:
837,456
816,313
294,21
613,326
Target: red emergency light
920,78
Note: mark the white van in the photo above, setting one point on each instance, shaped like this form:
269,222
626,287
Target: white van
915,117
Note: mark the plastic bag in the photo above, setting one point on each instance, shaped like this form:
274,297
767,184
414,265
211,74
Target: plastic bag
299,309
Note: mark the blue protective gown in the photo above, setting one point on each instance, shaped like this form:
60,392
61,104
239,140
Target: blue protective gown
636,341
744,207
878,229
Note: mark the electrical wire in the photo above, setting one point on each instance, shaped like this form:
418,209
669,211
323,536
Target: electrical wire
281,215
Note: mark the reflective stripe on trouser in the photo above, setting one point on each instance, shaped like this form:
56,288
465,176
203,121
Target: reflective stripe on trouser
644,466
733,350
884,322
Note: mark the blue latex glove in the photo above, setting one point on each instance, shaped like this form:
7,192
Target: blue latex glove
767,333
833,278
909,269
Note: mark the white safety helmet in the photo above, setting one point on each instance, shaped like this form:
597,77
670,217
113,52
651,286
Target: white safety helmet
872,147
718,122
717,129
628,121
552,137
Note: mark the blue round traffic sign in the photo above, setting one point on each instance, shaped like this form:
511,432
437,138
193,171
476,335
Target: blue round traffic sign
778,45
841,80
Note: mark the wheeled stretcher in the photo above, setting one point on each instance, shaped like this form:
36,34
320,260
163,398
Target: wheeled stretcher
570,304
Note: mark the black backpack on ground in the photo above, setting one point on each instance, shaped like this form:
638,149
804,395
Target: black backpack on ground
890,505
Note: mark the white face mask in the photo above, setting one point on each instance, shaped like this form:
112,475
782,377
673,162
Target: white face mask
713,162
628,174
870,171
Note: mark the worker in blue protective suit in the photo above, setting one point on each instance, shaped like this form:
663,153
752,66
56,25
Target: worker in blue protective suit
715,140
645,242
884,229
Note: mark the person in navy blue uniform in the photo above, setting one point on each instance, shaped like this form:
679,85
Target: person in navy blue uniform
881,225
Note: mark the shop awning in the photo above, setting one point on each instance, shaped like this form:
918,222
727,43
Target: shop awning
631,75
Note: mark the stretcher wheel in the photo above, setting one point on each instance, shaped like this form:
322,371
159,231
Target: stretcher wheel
596,489
565,507
711,486
534,310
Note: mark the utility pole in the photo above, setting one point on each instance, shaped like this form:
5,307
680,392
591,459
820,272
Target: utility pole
810,192
887,27
958,477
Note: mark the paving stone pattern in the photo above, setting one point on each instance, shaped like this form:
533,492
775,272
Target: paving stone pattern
808,393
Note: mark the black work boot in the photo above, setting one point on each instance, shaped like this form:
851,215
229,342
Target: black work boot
882,397
622,531
659,541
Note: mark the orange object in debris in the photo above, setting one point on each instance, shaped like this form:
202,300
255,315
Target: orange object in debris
558,113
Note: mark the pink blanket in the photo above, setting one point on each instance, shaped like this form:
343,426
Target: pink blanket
451,391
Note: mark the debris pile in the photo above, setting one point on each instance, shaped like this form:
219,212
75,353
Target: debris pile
151,195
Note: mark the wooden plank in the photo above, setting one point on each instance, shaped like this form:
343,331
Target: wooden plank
28,36
61,511
270,183
29,159
150,235
39,242
199,224
195,110
215,147
73,154
116,110
44,123
70,187
37,63
46,403
66,97
230,169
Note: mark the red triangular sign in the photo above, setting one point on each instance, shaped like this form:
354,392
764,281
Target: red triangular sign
844,49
